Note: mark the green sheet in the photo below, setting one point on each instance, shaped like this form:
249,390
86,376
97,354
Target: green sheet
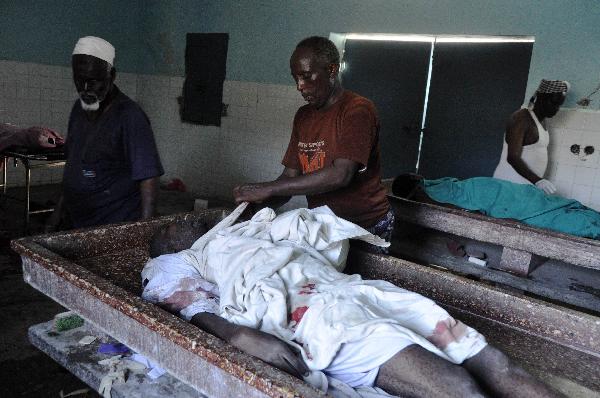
523,202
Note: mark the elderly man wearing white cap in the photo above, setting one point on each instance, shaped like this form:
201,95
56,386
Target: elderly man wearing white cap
112,168
524,156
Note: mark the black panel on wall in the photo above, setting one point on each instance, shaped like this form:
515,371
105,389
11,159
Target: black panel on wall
474,89
205,67
393,75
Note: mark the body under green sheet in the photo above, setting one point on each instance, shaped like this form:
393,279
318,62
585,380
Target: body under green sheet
522,202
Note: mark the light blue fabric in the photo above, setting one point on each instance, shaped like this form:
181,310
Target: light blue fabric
523,202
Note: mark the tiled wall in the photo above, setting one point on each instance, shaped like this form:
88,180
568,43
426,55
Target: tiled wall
253,136
248,146
576,176
40,95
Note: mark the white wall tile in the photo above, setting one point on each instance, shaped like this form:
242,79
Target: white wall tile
176,81
565,172
582,193
597,178
34,81
9,89
564,187
590,137
20,68
567,118
595,198
4,69
571,136
21,79
237,111
591,121
565,156
584,175
64,72
56,71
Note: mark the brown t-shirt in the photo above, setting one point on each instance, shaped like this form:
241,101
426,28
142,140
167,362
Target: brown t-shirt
349,129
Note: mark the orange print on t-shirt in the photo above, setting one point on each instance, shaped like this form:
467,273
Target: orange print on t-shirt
311,163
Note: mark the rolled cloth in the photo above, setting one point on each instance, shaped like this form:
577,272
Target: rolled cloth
553,86
96,47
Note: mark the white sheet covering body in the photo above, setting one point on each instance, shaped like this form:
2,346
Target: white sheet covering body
282,275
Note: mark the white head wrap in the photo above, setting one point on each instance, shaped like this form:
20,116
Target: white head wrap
96,47
553,86
550,87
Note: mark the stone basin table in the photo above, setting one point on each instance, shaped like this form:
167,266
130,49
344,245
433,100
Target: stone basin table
96,273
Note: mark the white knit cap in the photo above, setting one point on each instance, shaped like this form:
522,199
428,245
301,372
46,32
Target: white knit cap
97,47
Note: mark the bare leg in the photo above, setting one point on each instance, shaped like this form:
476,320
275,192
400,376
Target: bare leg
495,371
416,372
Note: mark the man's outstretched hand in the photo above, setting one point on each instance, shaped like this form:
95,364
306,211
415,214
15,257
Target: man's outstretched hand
269,349
254,342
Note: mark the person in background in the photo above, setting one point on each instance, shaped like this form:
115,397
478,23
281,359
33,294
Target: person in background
112,169
333,155
31,138
524,156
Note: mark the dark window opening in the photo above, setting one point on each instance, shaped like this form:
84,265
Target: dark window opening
443,102
205,70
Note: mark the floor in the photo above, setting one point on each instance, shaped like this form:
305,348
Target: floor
25,371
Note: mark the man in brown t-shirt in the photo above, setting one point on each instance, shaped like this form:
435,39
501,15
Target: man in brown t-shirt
333,156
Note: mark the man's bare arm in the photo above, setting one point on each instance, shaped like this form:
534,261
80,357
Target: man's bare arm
515,137
275,201
254,342
149,192
329,178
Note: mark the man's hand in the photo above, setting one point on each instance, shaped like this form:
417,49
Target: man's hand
44,137
254,342
253,193
269,349
290,182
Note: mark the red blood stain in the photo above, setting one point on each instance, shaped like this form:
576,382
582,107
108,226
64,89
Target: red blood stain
299,313
307,289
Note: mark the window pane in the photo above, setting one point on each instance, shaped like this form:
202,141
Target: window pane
474,89
393,75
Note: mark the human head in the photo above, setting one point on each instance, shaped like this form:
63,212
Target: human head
549,97
314,65
406,185
175,237
93,70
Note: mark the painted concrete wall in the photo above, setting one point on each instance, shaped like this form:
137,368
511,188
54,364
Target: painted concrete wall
45,32
150,35
264,32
